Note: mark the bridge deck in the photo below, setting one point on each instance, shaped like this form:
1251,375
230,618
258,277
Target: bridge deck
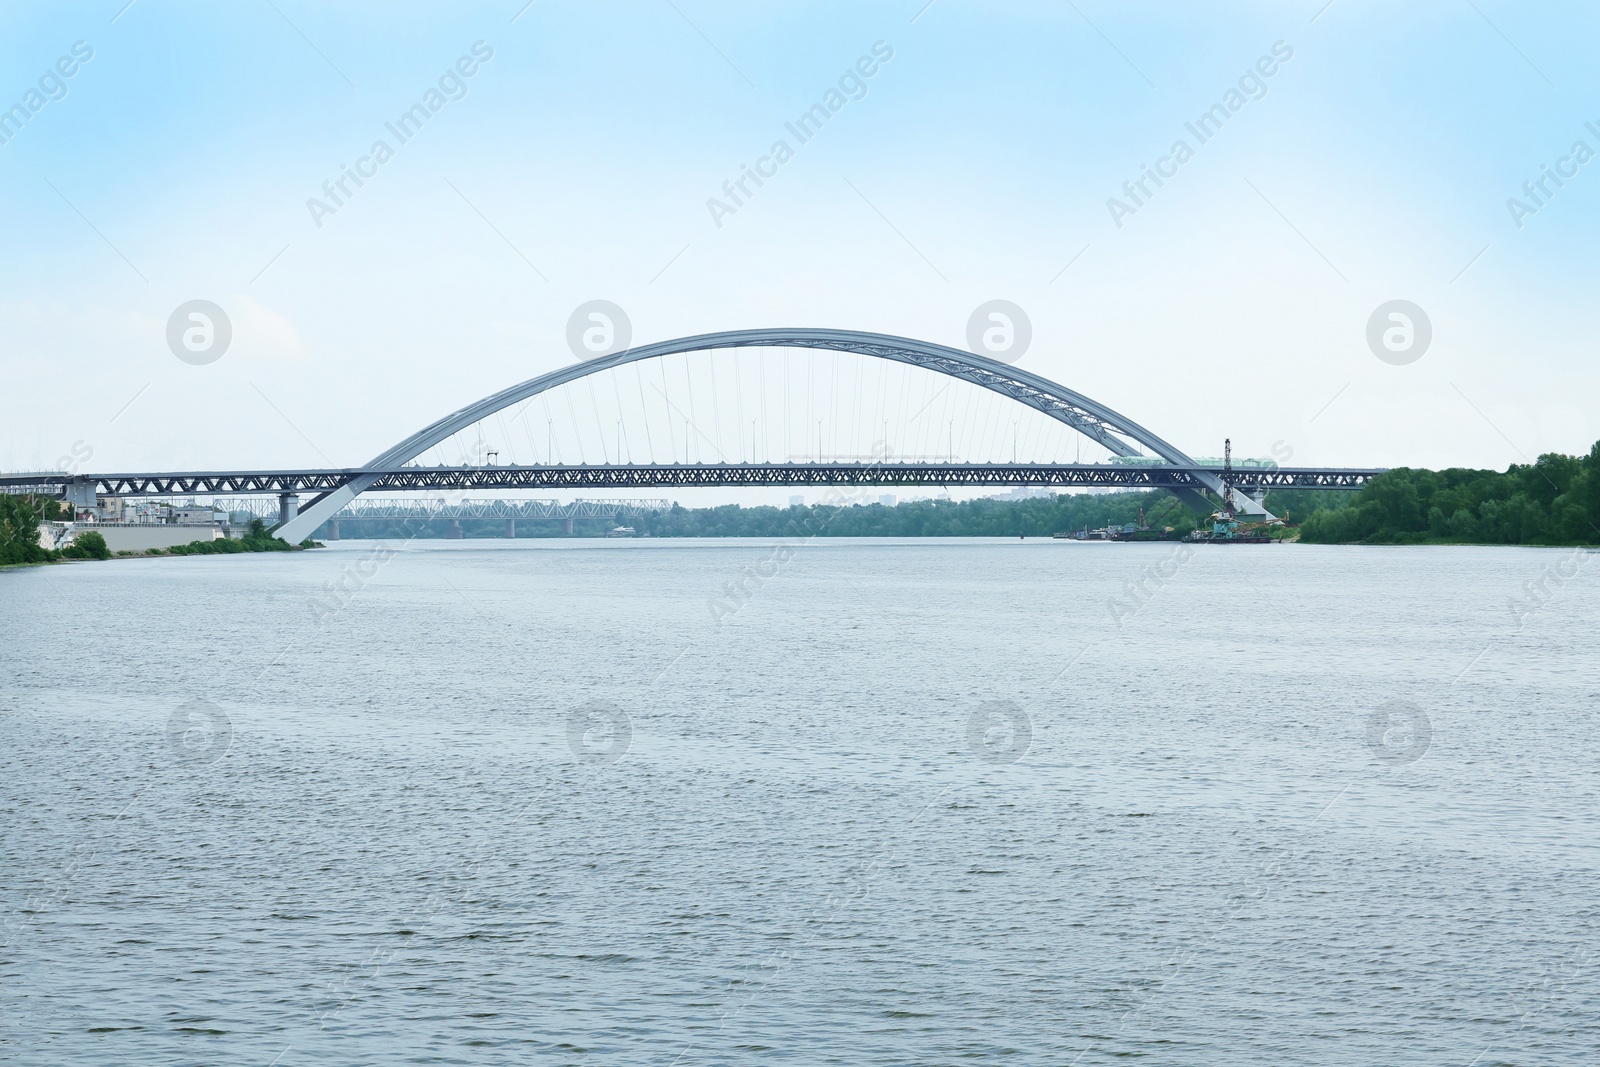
418,479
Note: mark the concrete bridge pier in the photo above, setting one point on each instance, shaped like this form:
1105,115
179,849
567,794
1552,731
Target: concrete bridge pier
288,507
333,530
511,527
80,491
455,530
567,522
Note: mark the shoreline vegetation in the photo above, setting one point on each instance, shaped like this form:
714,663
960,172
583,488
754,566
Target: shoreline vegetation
20,517
1554,501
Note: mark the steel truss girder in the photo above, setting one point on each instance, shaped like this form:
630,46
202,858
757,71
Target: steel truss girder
446,479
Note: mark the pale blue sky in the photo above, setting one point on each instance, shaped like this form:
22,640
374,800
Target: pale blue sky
578,165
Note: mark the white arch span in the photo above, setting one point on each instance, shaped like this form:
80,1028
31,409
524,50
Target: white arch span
1116,432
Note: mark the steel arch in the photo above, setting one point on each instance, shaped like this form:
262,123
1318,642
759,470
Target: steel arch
1112,430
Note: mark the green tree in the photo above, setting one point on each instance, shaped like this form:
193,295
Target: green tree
89,544
1555,500
19,530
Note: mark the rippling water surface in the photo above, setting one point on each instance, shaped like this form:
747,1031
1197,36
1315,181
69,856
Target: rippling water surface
906,802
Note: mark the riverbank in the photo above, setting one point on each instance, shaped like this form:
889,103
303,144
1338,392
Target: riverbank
22,518
179,550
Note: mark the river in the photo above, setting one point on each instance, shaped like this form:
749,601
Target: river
846,801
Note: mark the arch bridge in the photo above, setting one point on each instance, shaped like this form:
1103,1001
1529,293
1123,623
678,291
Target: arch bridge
1140,458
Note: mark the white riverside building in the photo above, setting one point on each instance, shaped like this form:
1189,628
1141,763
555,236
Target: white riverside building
138,525
130,536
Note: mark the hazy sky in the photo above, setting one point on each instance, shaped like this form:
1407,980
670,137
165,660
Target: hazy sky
1374,163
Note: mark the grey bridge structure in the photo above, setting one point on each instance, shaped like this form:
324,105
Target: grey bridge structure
1146,460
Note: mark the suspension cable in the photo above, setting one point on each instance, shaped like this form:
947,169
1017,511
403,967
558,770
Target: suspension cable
716,406
672,440
605,453
738,400
694,419
644,412
577,431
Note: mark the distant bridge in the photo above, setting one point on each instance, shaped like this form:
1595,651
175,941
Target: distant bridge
379,508
361,513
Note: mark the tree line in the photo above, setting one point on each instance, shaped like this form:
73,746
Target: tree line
1038,517
20,517
1553,501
